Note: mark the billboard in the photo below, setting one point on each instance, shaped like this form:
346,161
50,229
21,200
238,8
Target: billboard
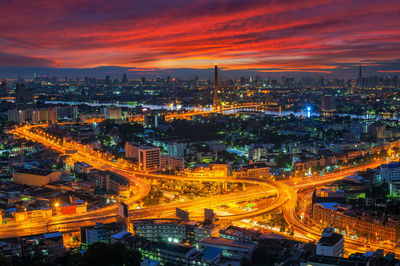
65,210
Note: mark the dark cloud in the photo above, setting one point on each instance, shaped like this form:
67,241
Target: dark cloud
287,35
13,60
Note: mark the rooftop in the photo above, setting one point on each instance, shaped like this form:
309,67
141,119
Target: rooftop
176,248
325,260
391,165
331,240
228,242
211,253
254,166
330,205
33,171
121,235
53,235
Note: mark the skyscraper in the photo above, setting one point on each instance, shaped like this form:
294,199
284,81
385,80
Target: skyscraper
124,79
23,96
216,102
360,78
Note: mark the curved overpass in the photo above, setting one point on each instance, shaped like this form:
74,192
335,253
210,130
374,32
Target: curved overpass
286,197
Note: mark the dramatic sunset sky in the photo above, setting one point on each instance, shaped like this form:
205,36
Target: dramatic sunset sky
176,36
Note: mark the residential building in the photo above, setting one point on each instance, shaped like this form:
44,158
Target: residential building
175,231
257,170
50,245
208,171
390,173
176,149
82,168
330,244
16,115
239,233
171,163
111,182
177,254
131,150
100,233
149,158
35,177
232,249
45,115
328,106
111,113
358,223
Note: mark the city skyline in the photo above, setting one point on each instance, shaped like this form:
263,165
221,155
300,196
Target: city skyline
329,38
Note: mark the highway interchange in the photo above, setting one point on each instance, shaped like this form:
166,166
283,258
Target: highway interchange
284,195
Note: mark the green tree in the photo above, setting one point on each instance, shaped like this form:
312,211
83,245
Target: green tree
99,254
4,261
283,160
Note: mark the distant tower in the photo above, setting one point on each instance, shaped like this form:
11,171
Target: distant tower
216,102
23,96
360,78
124,79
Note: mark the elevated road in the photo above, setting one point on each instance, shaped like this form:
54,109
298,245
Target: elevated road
285,193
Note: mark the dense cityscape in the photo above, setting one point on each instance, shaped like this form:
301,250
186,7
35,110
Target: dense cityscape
191,162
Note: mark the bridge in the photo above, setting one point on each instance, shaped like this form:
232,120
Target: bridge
252,106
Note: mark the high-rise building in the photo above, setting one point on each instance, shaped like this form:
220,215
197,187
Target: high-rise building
216,101
149,158
328,106
67,112
23,96
124,79
152,120
17,116
131,150
176,149
46,115
111,113
378,130
360,77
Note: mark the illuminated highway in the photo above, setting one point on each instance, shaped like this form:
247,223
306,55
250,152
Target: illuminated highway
284,193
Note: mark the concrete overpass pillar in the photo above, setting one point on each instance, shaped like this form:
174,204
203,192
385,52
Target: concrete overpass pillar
224,186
